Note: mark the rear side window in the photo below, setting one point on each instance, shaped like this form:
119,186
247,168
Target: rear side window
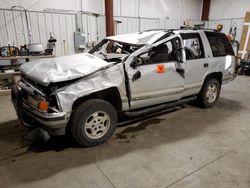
219,44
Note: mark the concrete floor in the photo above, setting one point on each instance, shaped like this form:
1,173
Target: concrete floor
189,147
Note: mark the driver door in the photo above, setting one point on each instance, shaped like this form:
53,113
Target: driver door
157,79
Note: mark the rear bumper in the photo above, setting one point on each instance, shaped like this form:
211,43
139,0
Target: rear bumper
228,78
54,123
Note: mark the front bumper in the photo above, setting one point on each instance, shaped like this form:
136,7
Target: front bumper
54,123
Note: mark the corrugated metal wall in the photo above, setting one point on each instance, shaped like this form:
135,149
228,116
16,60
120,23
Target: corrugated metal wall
13,27
133,24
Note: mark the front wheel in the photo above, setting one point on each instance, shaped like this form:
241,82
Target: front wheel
209,93
93,122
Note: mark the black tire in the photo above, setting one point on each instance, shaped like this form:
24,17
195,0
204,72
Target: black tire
202,98
83,113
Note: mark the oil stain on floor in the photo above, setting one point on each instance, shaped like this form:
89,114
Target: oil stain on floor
131,132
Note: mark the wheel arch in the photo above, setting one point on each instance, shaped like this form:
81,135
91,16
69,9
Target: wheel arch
216,75
111,95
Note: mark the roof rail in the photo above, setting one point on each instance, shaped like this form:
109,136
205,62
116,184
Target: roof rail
182,27
208,29
198,28
166,30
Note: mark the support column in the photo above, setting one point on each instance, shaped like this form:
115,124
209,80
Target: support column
205,10
109,17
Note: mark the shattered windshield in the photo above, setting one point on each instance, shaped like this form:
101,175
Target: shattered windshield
113,51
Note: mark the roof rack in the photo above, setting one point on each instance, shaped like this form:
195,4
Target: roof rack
208,29
198,28
182,27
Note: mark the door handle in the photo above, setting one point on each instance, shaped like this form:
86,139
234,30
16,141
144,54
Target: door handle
136,76
205,65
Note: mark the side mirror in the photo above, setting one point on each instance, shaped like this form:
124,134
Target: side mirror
136,62
133,64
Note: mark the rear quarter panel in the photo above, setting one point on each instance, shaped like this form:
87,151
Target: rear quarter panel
223,64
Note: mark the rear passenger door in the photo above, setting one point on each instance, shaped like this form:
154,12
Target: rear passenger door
195,64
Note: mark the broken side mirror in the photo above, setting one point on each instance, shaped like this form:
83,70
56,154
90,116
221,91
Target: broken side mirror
133,64
136,76
136,62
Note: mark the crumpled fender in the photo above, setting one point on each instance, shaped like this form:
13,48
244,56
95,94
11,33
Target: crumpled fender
103,79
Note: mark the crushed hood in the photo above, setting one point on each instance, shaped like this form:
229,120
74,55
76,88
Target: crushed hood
46,71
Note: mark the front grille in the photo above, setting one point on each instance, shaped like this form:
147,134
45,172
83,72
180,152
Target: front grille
34,84
43,89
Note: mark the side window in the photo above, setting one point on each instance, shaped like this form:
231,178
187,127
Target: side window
219,45
193,46
164,52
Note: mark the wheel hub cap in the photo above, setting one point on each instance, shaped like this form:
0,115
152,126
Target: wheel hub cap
211,93
97,125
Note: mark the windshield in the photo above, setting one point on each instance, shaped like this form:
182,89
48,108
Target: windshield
113,51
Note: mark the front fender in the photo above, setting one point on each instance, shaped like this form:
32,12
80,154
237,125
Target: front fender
104,79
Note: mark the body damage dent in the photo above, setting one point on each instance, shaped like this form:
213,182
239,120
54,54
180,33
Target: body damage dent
63,68
104,79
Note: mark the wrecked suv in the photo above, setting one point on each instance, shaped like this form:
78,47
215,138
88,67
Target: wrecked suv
132,74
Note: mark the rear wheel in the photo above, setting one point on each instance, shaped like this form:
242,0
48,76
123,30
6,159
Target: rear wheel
93,122
209,93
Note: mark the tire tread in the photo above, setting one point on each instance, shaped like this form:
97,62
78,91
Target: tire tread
79,117
201,97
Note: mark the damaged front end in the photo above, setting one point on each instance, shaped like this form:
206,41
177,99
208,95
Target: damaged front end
46,100
35,107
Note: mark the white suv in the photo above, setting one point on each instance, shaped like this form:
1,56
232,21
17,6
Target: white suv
132,74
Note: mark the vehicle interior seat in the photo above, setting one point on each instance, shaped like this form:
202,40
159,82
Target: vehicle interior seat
160,54
189,53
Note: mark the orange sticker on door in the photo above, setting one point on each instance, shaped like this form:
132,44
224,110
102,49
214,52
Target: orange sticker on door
160,68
